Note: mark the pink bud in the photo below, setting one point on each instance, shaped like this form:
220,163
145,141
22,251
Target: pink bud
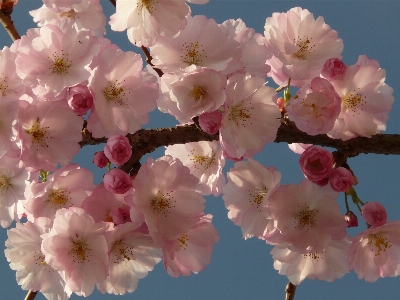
334,68
316,164
210,122
80,99
351,219
100,159
341,179
118,150
374,213
117,181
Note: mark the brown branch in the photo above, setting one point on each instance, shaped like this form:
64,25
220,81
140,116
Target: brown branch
31,295
8,24
148,60
147,140
290,291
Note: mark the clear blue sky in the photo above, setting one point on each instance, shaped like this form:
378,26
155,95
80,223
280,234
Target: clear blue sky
243,269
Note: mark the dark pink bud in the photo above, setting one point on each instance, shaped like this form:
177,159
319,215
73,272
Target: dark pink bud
210,122
316,164
334,68
117,181
80,100
351,219
118,150
374,213
100,159
341,179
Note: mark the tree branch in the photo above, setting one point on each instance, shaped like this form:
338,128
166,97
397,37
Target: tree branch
290,291
8,24
31,295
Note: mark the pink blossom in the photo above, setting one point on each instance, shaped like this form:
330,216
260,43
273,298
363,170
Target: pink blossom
100,159
132,256
56,58
341,179
316,108
198,91
123,94
66,187
301,42
351,219
307,216
251,116
374,252
374,213
48,134
246,196
298,148
80,100
88,14
24,254
333,68
316,163
202,43
169,197
366,101
329,264
205,161
210,122
102,202
147,20
191,252
76,246
117,181
117,149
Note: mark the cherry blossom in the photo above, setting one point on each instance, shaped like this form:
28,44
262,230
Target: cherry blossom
374,252
366,100
210,122
25,256
341,179
76,247
205,161
316,163
132,256
169,197
307,216
374,213
251,116
316,108
100,159
117,149
301,42
191,252
328,264
246,196
117,181
202,43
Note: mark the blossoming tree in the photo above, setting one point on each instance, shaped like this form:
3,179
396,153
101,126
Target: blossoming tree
66,87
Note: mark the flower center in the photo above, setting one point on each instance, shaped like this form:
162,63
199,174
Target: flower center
161,203
60,64
306,217
122,252
315,255
352,101
305,48
4,183
192,55
378,243
202,161
198,93
257,196
79,251
114,93
3,86
148,4
38,134
240,113
58,198
69,14
183,241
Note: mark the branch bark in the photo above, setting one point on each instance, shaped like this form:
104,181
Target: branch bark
290,291
8,24
31,295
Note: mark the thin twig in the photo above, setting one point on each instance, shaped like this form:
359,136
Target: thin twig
31,295
149,59
9,26
290,291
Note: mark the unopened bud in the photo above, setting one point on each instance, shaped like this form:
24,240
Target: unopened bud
351,219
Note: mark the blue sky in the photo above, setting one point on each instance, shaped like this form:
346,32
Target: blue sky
243,269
